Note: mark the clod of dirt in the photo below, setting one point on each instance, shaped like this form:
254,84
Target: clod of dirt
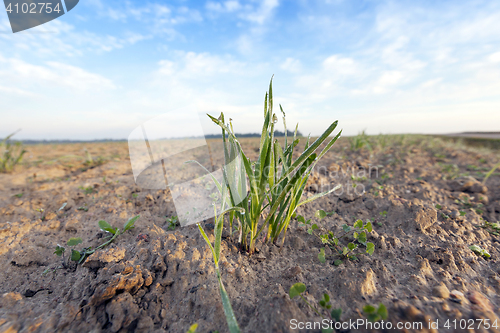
129,282
467,184
99,259
441,291
122,311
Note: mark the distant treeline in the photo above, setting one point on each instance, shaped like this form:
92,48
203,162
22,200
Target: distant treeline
208,136
33,142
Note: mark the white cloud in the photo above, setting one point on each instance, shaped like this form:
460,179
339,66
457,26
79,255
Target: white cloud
291,65
223,7
495,57
18,72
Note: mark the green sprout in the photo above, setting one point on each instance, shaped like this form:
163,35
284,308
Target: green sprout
375,314
492,228
173,222
79,256
490,172
348,251
479,251
298,288
11,153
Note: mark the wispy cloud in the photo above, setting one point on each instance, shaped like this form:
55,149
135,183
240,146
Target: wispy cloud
386,66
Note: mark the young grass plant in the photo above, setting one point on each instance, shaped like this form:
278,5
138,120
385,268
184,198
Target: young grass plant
12,154
216,247
276,181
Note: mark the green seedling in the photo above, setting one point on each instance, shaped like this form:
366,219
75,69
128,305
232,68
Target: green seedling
192,328
357,231
276,181
322,214
11,153
359,142
135,195
383,214
79,256
438,206
19,195
84,208
444,216
87,190
90,161
299,288
492,228
375,314
173,222
462,213
490,172
232,323
479,251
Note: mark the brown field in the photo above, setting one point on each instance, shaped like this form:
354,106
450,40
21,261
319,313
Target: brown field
423,194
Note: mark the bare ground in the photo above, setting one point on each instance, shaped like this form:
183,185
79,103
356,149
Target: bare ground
153,279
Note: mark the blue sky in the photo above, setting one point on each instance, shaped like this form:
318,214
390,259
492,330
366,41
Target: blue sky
385,66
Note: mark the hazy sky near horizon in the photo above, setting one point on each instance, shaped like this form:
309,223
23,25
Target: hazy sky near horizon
106,67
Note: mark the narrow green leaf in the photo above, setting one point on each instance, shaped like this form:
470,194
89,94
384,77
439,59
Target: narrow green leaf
130,223
317,196
232,323
74,241
297,289
207,240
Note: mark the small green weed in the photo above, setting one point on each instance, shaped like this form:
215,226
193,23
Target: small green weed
135,195
87,190
192,328
12,154
298,288
173,222
375,314
19,195
492,228
79,256
479,251
357,231
383,213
